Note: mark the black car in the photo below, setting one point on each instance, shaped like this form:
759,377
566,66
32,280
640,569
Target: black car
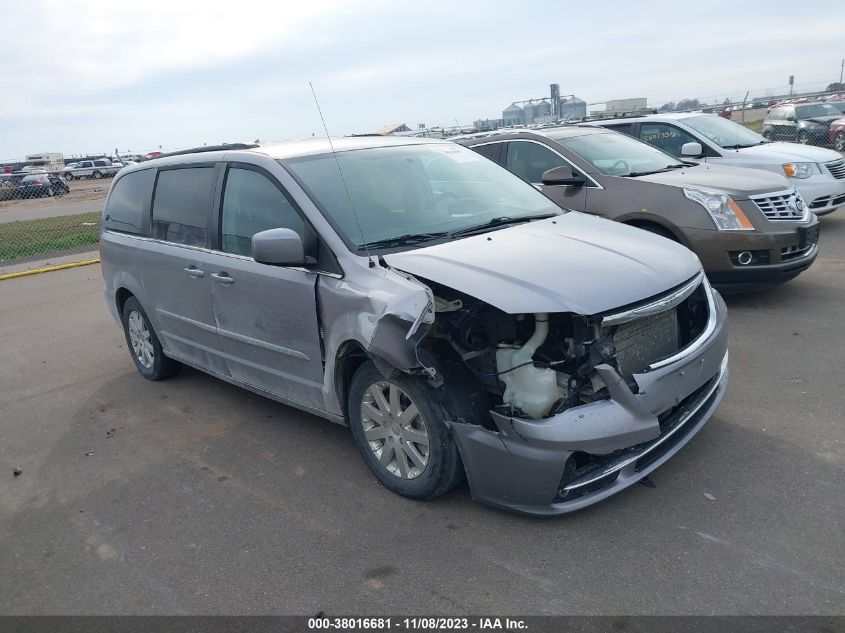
41,185
806,123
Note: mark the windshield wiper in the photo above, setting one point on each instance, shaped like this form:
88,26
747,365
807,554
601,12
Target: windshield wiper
502,221
634,174
403,240
741,145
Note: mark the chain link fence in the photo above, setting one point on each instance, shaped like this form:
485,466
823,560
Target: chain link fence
46,214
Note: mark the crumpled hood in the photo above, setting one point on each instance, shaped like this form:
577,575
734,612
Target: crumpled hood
789,152
572,263
738,183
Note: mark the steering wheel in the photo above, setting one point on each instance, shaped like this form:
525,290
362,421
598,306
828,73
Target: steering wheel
620,165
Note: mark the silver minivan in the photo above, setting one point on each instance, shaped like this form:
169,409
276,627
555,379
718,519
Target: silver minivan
456,319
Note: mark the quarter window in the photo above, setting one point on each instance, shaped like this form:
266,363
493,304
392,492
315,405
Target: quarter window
181,205
490,150
624,128
530,161
666,137
127,201
251,204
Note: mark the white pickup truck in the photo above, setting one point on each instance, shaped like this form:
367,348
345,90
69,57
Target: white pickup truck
102,168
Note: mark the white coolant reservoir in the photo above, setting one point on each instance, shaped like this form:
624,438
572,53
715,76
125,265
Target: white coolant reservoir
532,389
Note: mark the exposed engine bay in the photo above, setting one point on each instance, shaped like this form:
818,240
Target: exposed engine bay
538,365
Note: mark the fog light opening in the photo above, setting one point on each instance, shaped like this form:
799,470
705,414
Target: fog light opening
745,258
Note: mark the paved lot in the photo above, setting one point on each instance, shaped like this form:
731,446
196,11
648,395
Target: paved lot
209,499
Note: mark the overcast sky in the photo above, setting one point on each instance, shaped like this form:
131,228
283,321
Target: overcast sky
92,76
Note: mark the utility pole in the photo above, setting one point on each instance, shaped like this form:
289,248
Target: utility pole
841,70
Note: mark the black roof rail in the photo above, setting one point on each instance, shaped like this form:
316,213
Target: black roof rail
210,148
625,114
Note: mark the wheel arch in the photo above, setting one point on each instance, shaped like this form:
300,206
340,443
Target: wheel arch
656,223
350,355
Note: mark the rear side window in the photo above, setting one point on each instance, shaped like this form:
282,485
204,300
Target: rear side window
530,161
490,150
625,128
251,204
666,137
181,205
128,199
99,163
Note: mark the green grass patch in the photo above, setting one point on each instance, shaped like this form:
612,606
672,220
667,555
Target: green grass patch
756,126
48,236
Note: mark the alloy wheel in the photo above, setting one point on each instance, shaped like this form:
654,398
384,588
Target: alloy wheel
395,430
139,337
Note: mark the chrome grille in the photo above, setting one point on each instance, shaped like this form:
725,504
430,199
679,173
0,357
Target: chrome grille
836,168
639,343
787,205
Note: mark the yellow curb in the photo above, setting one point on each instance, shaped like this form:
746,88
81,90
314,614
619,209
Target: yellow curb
48,269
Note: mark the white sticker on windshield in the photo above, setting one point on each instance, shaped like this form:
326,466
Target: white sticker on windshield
458,154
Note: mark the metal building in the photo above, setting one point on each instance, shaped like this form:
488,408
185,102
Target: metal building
572,108
513,115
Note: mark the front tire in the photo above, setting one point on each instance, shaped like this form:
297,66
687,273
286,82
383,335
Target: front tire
143,344
839,142
97,175
803,139
398,425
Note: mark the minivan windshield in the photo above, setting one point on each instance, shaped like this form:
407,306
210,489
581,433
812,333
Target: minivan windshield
414,193
724,133
616,154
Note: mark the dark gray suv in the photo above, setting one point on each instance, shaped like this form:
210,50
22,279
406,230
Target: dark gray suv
456,319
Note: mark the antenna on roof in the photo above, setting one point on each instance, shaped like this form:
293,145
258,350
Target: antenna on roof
342,179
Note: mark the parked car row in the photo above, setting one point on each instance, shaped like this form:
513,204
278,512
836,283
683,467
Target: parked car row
818,174
750,229
24,185
807,123
489,308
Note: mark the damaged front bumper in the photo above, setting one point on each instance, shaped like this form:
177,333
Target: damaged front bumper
523,465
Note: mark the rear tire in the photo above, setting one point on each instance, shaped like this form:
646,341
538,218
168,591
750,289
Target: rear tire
143,344
97,175
402,435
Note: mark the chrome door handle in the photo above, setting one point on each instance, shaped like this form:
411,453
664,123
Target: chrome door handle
222,278
193,271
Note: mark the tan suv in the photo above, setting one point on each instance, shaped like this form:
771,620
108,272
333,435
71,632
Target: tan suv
750,228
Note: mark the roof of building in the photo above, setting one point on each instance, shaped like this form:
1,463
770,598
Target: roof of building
392,128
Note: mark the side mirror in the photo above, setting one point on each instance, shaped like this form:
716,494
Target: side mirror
562,176
790,117
692,149
281,247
